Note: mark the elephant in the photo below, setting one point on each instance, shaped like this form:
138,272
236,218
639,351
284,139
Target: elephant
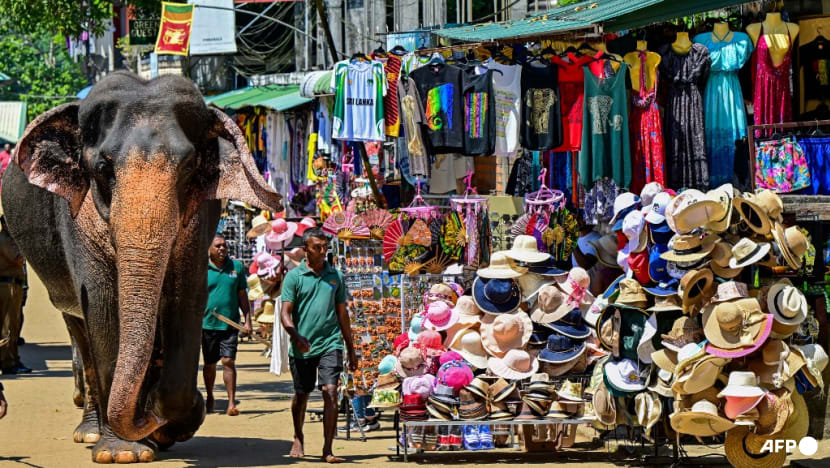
114,201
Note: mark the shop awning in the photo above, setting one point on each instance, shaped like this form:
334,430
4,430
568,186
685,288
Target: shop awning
276,97
665,10
12,120
575,16
316,83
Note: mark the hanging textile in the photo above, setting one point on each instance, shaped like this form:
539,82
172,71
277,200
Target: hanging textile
772,100
646,133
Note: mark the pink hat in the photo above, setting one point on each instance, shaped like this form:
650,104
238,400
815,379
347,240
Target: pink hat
305,223
576,284
440,316
281,234
455,374
747,350
267,264
430,343
736,406
449,356
420,385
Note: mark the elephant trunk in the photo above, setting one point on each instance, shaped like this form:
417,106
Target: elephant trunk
144,221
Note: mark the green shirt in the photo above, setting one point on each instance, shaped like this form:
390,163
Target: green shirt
314,297
223,293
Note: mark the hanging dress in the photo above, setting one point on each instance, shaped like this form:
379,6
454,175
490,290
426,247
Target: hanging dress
723,103
772,102
571,95
684,134
646,134
606,151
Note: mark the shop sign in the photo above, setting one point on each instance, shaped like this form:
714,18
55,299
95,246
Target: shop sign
214,27
145,29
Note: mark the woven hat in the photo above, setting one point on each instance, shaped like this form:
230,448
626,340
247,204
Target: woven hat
647,408
730,291
260,225
816,360
479,387
571,325
694,287
516,364
501,267
605,406
787,303
631,294
777,364
444,394
684,330
700,211
665,303
773,411
471,406
721,254
571,391
661,321
744,449
665,359
387,382
758,211
410,363
551,305
733,324
267,315
525,249
557,411
501,389
702,420
540,387
625,376
746,252
700,374
468,344
722,195
504,332
792,243
439,316
678,204
499,411
530,284
657,211
689,248
496,296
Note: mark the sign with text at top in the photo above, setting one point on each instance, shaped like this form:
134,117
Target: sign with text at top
144,28
174,31
214,27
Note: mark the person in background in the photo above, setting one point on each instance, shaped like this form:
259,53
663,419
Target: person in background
12,281
5,157
314,316
227,293
4,405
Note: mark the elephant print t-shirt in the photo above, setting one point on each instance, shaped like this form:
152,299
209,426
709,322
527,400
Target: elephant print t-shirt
439,86
359,87
542,124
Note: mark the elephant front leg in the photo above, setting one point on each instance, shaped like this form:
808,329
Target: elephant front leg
88,431
112,449
79,394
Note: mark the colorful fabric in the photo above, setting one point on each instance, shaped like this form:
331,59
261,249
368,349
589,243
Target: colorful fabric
572,95
390,101
475,113
359,88
780,166
439,108
646,133
817,152
772,101
599,202
723,103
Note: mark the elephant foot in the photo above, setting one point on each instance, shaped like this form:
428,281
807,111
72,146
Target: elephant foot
113,450
87,431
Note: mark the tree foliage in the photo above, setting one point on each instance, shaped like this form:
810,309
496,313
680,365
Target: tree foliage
66,17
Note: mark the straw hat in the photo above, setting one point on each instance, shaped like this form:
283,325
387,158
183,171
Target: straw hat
758,210
746,252
515,365
721,254
505,332
684,330
468,344
551,305
267,315
648,409
730,291
701,374
501,267
694,287
496,296
777,364
744,449
787,303
689,248
632,294
525,249
479,387
665,359
792,243
571,391
702,420
734,324
530,283
605,406
724,196
816,360
678,204
702,210
501,389
260,225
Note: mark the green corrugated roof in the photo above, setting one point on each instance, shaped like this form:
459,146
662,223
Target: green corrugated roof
277,97
665,10
12,120
575,16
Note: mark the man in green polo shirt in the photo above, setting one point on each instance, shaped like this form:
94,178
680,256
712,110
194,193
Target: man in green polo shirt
314,315
227,293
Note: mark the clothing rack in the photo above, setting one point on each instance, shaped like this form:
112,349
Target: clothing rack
783,125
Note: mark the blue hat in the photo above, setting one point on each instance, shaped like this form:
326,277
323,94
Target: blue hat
496,295
664,288
613,287
657,270
546,268
661,233
540,334
387,364
571,325
619,222
561,349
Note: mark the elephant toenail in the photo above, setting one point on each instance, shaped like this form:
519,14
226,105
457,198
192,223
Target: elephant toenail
92,438
103,456
146,456
125,457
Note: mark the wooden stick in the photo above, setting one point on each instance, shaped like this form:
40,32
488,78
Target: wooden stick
239,327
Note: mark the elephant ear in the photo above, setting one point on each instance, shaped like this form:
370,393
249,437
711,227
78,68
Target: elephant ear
239,178
49,155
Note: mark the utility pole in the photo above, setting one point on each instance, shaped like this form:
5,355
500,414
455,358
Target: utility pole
324,21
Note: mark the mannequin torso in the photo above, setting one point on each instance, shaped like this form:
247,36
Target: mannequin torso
682,45
778,35
602,47
633,61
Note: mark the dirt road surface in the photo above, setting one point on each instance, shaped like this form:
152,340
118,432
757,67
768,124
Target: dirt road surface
37,431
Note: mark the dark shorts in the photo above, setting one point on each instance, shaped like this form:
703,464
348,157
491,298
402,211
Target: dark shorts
320,370
217,344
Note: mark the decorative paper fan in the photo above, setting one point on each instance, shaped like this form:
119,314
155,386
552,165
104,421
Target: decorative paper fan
393,233
419,234
377,220
437,264
453,236
520,226
346,225
406,254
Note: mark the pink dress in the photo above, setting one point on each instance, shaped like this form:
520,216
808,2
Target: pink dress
772,101
646,134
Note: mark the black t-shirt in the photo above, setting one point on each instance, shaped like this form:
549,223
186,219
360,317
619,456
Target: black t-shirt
541,117
815,58
440,87
479,112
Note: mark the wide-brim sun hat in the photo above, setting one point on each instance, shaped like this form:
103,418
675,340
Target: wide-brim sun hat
525,249
745,449
758,211
551,305
515,365
505,332
501,267
439,316
690,248
786,303
496,296
734,324
468,344
724,195
561,349
702,420
702,211
792,243
531,283
747,252
626,375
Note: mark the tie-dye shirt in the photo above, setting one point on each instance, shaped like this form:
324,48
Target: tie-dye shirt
439,86
359,87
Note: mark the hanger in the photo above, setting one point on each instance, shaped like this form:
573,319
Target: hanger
817,131
544,196
419,207
586,46
360,56
466,199
436,59
398,50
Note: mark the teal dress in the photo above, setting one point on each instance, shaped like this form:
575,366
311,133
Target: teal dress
606,151
724,110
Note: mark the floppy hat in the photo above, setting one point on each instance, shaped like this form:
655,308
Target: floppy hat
684,330
516,364
441,292
665,359
730,291
689,248
605,406
440,316
624,203
571,325
665,303
773,411
455,374
648,409
816,360
415,327
305,223
496,296
734,324
420,385
561,349
468,344
261,226
721,254
787,303
387,382
702,210
501,267
657,209
722,195
540,334
546,268
625,376
757,210
633,227
525,249
777,364
410,363
592,313
701,373
792,243
551,305
387,364
506,332
661,321
267,264
450,355
577,285
694,287
400,343
632,294
702,420
664,288
280,234
468,313
530,283
678,204
606,248
745,449
742,384
746,252
737,406
571,391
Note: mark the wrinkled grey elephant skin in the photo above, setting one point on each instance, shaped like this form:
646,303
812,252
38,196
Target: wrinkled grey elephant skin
114,201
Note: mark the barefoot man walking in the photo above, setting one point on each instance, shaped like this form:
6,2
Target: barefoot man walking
314,315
